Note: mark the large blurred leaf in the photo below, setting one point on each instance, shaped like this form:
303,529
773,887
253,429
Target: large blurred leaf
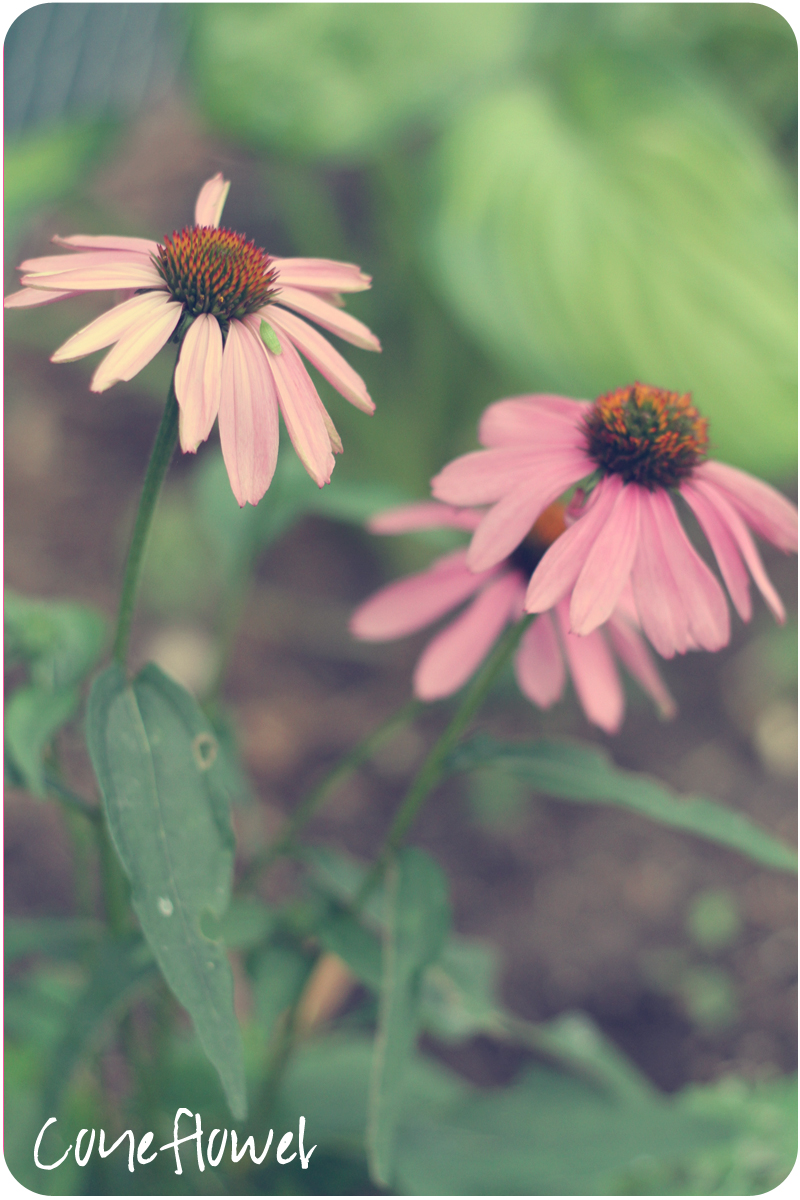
548,1135
168,813
60,640
33,717
43,166
418,920
615,221
581,773
339,80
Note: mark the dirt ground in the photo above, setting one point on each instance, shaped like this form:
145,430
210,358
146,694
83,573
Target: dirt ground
589,908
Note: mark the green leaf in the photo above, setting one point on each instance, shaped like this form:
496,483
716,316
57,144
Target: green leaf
61,641
247,923
572,771
33,716
418,920
620,221
459,991
343,79
153,754
43,166
548,1135
119,972
56,937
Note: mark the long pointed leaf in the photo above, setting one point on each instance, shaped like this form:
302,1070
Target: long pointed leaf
153,752
572,771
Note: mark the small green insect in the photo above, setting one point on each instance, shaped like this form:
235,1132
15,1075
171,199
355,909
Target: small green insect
269,337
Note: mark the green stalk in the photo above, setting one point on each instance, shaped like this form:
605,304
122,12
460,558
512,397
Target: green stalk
161,454
433,768
312,802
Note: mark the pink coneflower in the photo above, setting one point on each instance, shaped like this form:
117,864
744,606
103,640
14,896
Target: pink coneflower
496,596
218,295
637,446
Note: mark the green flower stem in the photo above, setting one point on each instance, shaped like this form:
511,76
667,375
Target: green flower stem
163,448
311,803
434,766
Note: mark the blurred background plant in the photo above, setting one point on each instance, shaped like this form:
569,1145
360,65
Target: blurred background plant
549,197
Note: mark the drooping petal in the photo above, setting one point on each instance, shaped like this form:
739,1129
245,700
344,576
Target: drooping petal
32,297
539,663
301,407
427,514
703,598
608,564
766,511
321,275
632,650
110,326
562,563
594,674
448,661
54,264
211,200
522,420
483,476
321,353
737,529
658,596
510,520
138,345
248,415
328,317
724,546
133,274
416,601
198,381
103,241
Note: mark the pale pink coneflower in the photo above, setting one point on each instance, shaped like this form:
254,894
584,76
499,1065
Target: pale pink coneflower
218,295
547,651
632,449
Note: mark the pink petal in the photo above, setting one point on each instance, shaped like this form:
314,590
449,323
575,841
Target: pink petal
110,326
659,600
31,297
724,546
248,415
198,380
608,564
301,407
328,317
318,351
529,419
83,241
594,674
139,344
427,514
768,512
321,275
699,592
562,563
741,535
133,274
211,201
448,661
632,649
55,264
412,603
483,476
539,663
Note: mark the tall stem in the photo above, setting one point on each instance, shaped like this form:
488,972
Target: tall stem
434,766
161,454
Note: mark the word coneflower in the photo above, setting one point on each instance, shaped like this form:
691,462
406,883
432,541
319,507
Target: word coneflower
633,451
233,309
495,597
